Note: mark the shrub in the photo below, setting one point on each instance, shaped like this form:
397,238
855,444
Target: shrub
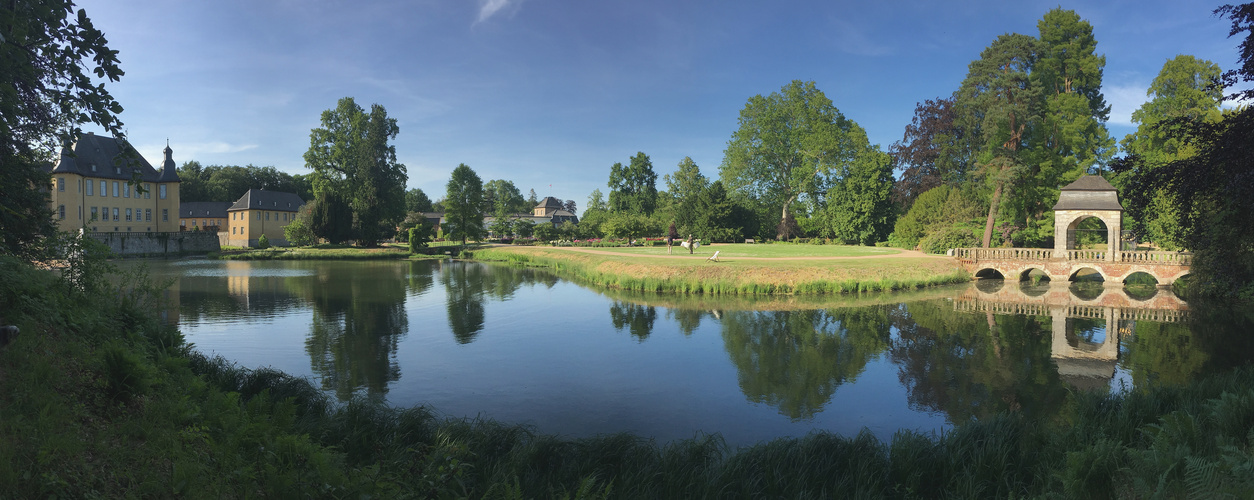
263,242
126,374
952,237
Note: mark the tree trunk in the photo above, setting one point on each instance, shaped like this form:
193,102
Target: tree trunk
783,220
992,215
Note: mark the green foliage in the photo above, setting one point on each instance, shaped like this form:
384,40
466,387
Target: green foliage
958,236
935,210
859,208
419,236
524,228
632,188
546,233
298,232
716,218
55,65
417,201
330,217
351,155
230,182
263,242
629,226
786,147
126,373
501,197
463,206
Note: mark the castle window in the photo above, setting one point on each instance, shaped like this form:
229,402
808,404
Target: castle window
94,214
89,188
128,215
148,214
165,214
115,189
115,217
61,184
147,191
162,193
61,211
126,190
104,188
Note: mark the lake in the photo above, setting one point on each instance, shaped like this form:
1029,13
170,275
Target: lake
519,345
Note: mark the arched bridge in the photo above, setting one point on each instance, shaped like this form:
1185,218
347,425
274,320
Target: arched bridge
1062,265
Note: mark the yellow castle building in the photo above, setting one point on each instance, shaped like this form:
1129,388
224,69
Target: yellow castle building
92,188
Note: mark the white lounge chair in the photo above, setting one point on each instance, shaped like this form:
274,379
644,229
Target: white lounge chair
715,256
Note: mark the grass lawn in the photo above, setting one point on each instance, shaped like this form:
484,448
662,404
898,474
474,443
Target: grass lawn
774,250
751,273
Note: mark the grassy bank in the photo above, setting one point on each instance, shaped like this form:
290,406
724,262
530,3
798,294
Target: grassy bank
741,272
97,399
320,252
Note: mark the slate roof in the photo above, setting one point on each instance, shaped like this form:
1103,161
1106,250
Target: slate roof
550,202
260,199
1089,192
102,157
205,209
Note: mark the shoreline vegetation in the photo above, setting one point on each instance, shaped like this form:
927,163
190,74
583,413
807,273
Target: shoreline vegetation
98,398
694,274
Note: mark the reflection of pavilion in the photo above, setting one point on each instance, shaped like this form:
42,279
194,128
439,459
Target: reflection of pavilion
1082,359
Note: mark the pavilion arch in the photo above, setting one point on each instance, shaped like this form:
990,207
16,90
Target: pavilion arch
1090,196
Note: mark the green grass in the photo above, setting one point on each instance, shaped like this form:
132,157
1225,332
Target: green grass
99,400
768,251
730,276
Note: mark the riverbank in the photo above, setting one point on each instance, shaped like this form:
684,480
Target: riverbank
322,252
97,398
738,272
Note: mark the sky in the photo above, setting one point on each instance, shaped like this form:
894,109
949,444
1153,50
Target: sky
549,94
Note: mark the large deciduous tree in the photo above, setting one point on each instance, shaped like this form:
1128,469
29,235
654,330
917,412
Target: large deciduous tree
417,201
859,207
53,65
351,154
786,147
501,197
633,188
685,188
463,205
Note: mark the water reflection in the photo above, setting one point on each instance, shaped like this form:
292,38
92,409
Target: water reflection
637,318
358,317
795,360
794,363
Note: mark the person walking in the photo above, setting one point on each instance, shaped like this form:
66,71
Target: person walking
671,236
690,241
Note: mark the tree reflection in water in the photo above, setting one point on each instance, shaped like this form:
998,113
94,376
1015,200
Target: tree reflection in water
469,285
638,319
974,365
795,360
356,326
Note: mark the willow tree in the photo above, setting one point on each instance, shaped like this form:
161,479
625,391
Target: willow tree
787,147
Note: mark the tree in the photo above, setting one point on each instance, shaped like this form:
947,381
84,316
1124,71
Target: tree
331,218
628,225
500,196
685,189
532,201
1185,89
786,146
419,236
417,201
463,206
714,216
570,206
298,232
934,150
1212,190
351,154
859,207
633,188
596,201
1070,74
1002,100
54,65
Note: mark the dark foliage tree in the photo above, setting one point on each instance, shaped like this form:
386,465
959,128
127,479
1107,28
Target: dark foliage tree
1212,190
463,206
859,207
934,150
351,153
633,188
54,64
331,218
501,197
230,182
570,206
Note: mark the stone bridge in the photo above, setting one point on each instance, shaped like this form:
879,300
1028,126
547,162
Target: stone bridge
1063,265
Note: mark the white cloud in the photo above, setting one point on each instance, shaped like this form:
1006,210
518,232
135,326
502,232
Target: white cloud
1125,99
489,8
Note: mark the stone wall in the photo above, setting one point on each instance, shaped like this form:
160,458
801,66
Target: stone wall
186,242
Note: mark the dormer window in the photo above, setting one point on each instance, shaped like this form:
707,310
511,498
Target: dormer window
93,167
117,170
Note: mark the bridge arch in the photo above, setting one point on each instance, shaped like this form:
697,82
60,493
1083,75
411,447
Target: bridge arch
1076,273
990,273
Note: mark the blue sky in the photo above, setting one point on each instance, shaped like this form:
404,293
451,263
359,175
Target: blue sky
551,93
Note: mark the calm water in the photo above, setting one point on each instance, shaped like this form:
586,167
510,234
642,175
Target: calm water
522,346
